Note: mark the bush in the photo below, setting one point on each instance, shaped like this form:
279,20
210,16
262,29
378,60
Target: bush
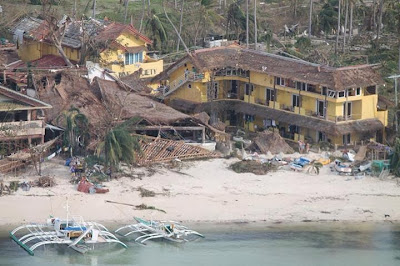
303,43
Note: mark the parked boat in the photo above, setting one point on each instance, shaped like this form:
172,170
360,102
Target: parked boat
79,235
145,230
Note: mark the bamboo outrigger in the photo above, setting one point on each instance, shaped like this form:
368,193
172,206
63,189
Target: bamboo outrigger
148,230
79,235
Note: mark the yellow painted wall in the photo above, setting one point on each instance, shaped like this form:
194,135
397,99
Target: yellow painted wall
363,106
33,50
115,59
29,51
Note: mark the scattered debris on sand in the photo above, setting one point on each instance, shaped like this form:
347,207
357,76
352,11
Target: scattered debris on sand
270,141
255,167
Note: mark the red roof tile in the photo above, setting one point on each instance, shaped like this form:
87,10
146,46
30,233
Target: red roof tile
114,30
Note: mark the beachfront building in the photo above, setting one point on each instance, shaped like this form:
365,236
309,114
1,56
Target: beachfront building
22,121
120,48
257,90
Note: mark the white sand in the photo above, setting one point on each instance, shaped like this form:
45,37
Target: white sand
209,191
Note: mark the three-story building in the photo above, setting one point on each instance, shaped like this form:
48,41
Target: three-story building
258,90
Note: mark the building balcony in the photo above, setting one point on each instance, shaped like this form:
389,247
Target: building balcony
9,130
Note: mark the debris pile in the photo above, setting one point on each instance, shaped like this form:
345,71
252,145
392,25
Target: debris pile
45,181
272,142
88,187
255,167
4,189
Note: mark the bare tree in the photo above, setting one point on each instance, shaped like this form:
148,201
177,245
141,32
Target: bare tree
255,24
310,19
56,29
379,26
338,29
180,25
94,9
345,25
247,23
143,11
126,10
351,19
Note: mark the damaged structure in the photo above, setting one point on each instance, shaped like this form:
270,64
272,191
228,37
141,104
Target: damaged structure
120,48
22,121
257,90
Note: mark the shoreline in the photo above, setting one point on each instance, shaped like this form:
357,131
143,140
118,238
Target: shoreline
207,192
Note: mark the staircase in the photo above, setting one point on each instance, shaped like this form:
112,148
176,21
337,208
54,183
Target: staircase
180,81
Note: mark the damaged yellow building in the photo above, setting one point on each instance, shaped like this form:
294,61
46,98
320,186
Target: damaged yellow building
258,90
120,48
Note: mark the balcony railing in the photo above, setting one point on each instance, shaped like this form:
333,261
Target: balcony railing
21,128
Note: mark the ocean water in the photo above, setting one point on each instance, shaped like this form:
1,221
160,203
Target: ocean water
236,245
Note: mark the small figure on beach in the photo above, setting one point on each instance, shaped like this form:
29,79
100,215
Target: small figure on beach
301,146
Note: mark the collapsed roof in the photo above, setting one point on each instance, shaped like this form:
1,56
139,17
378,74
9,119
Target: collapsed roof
38,30
279,66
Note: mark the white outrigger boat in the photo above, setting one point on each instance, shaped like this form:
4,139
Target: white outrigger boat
147,230
79,235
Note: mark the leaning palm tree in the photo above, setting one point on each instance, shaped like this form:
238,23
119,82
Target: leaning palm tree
119,146
156,30
75,124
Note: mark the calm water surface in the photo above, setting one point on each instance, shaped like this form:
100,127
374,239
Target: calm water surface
237,245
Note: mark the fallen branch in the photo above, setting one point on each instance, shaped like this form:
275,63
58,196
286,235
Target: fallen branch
137,207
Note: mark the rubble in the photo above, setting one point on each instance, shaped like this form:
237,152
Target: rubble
269,141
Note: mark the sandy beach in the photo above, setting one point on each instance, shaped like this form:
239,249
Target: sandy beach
207,191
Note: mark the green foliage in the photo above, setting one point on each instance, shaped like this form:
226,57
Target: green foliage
236,19
303,44
206,2
119,145
75,124
395,160
156,30
91,160
328,16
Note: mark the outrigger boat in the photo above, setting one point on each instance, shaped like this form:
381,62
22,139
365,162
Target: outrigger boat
79,235
148,230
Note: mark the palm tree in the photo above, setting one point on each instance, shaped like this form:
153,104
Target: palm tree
119,146
156,30
75,124
236,19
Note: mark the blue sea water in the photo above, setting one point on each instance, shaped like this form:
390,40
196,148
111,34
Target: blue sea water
236,245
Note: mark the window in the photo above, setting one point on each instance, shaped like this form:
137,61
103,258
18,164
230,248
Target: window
346,139
331,94
248,88
294,129
321,108
358,91
371,90
280,81
341,94
131,58
269,94
301,86
249,118
216,87
324,91
295,100
347,110
321,136
311,88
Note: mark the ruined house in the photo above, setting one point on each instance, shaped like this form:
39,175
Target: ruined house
22,121
118,47
257,90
